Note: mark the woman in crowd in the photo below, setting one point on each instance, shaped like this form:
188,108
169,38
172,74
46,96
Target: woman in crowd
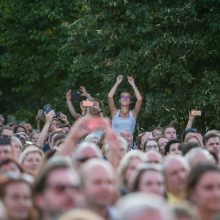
141,141
126,168
148,178
124,118
16,194
172,147
31,159
203,190
91,106
162,141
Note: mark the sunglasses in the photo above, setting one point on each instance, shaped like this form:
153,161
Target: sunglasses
84,159
124,97
61,188
6,136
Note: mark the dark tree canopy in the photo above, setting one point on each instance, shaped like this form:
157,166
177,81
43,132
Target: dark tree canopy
172,49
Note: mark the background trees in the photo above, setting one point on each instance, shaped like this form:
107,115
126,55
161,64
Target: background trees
170,47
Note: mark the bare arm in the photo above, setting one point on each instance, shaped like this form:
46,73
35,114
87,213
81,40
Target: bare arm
111,104
82,127
114,146
43,134
70,106
190,121
138,96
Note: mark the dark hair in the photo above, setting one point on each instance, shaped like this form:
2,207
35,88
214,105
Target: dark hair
196,174
169,143
208,136
186,147
5,141
48,167
188,130
11,160
139,137
142,168
19,126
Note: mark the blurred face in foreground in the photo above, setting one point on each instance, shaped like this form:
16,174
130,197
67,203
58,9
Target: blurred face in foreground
152,182
18,200
206,194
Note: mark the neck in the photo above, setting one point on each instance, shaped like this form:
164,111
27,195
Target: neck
204,215
101,210
124,110
178,194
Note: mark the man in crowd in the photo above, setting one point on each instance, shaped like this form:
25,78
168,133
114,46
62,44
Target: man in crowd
176,170
6,131
5,148
56,188
211,142
98,189
169,132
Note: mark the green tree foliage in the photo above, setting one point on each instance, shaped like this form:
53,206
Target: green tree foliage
170,47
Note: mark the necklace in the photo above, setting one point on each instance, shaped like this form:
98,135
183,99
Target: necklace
123,114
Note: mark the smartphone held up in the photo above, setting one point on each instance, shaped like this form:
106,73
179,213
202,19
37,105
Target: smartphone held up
195,112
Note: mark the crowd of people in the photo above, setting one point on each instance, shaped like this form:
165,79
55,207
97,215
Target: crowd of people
93,169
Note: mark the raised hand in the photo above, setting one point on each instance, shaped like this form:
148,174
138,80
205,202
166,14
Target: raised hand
50,115
131,80
83,91
191,116
119,79
68,95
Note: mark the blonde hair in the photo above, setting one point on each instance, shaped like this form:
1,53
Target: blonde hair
124,163
29,150
80,214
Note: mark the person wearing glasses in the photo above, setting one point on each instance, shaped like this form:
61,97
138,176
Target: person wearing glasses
6,132
56,188
124,118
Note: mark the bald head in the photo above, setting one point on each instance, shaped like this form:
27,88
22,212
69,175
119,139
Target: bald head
84,152
176,170
98,184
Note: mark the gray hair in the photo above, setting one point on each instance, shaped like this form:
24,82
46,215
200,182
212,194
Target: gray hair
136,203
84,145
190,156
122,141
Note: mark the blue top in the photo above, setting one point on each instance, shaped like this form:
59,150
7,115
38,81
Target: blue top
120,123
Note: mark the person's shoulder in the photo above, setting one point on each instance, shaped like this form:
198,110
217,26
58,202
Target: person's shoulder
116,113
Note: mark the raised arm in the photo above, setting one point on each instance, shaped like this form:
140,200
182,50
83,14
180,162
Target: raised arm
138,96
190,120
70,106
111,104
81,127
83,92
44,133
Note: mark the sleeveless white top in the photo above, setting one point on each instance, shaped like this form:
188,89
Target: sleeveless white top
120,123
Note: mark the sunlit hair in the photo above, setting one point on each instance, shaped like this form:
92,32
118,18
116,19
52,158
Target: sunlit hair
80,214
29,150
124,163
136,203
